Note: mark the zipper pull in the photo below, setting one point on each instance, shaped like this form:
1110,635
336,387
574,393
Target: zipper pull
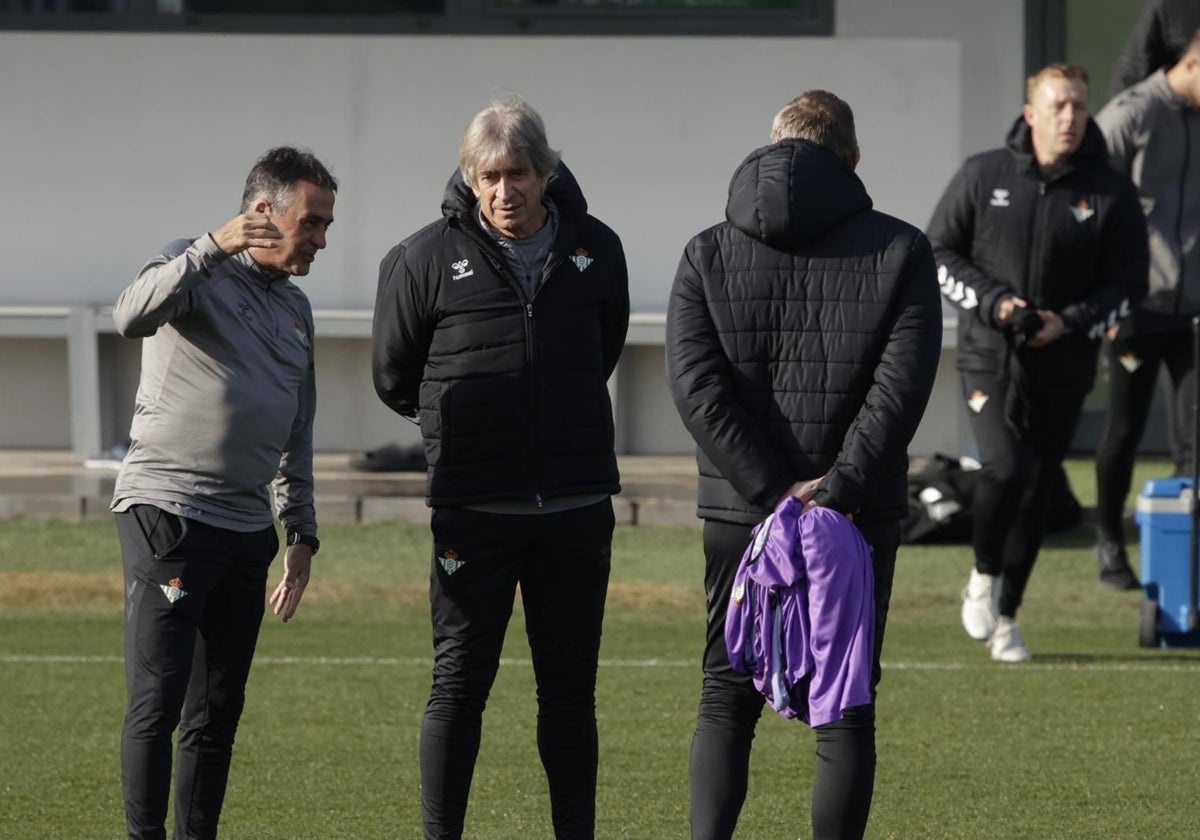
529,310
538,498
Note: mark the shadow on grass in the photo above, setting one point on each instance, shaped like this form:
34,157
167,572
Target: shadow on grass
1078,536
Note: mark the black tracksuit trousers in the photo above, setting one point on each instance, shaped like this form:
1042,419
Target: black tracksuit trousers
561,562
194,601
1011,503
730,707
1133,366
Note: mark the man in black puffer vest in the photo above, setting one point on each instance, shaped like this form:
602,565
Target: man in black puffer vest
1041,247
803,337
498,326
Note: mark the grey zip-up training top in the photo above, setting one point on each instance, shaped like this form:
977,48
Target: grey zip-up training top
227,393
1154,138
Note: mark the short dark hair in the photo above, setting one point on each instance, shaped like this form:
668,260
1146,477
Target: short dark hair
277,172
819,117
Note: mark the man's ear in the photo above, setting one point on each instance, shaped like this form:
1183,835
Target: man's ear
1027,113
261,206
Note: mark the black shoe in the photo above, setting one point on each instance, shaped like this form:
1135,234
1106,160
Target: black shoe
1115,572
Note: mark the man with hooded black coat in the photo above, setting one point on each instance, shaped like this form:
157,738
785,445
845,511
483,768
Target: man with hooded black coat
498,326
1041,247
803,337
1157,40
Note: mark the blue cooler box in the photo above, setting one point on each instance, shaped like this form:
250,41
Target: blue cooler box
1164,518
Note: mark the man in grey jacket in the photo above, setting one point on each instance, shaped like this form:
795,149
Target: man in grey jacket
224,410
1153,136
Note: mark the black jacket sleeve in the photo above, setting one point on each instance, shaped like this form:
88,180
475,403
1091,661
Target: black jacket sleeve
1145,49
702,386
1125,269
400,334
952,232
616,312
896,400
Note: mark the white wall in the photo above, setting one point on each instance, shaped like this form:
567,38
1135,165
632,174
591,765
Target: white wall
117,143
991,68
114,144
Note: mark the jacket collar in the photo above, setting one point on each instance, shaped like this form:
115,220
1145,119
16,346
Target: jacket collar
257,274
1091,152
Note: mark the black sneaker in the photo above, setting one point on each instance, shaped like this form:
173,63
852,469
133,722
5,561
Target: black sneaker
1115,572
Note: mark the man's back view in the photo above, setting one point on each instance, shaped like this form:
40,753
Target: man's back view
802,343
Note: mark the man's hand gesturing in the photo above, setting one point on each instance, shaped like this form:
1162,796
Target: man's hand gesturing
249,230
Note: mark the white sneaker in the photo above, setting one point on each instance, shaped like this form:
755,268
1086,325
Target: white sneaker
1006,644
980,605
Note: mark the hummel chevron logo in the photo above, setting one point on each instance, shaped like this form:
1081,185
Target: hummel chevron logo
955,290
977,401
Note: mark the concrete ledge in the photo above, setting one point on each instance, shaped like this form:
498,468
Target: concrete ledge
673,512
41,507
95,507
395,509
338,508
344,509
624,511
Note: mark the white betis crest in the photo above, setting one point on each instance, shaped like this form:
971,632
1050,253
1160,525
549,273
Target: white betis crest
173,589
581,259
450,562
1130,362
977,401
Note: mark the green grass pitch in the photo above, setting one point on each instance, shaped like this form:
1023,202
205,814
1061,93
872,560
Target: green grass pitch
1096,738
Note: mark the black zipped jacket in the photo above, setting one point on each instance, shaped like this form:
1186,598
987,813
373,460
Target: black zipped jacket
1157,40
1072,243
803,337
510,392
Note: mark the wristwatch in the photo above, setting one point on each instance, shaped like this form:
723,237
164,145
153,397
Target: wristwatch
296,538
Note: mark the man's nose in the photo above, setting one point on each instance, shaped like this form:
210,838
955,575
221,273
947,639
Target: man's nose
319,237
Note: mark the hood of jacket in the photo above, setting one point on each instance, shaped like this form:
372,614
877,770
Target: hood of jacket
792,192
459,200
1093,151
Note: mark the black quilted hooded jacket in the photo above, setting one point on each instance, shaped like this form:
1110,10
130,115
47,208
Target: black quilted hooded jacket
803,337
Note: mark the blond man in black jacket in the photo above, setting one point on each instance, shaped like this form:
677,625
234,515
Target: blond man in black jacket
803,337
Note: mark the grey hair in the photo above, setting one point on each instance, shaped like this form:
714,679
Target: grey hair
509,130
275,175
819,117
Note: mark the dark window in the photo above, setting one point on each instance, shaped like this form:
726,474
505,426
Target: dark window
524,17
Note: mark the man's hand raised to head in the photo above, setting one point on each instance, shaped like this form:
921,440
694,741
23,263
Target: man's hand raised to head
249,230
